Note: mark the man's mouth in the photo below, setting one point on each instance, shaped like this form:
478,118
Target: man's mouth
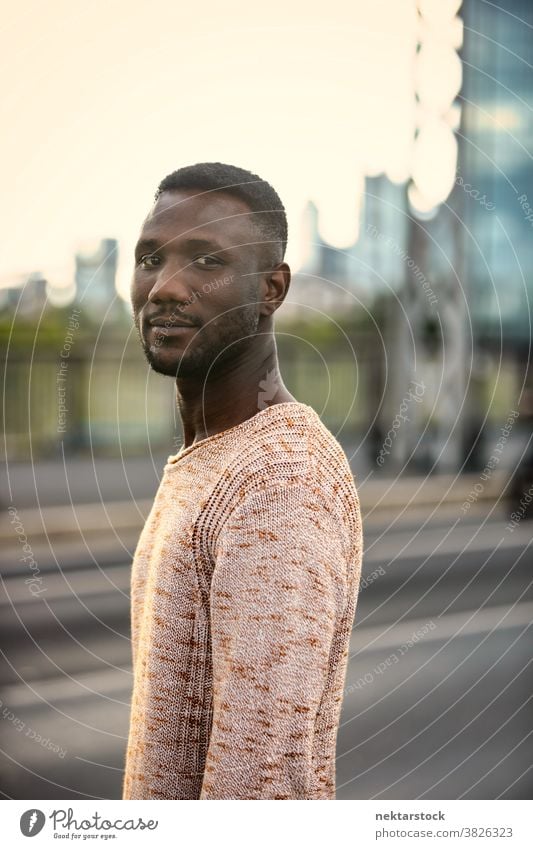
169,323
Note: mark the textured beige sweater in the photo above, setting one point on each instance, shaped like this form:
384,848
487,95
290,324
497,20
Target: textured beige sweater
244,588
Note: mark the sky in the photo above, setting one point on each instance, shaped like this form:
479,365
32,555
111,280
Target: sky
104,99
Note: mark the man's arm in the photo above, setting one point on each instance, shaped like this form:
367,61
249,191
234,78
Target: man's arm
279,587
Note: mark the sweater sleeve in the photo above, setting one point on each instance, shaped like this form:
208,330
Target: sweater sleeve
280,586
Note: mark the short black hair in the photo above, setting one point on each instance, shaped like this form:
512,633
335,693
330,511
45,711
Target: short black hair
269,216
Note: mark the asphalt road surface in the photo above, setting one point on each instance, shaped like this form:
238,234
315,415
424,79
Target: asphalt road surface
438,691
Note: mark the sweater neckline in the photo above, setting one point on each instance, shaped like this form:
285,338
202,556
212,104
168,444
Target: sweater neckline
173,459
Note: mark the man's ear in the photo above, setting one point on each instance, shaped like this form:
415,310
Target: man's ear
274,287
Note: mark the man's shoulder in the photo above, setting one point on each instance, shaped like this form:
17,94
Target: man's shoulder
289,443
289,456
298,428
285,447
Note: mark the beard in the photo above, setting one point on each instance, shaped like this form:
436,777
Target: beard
211,348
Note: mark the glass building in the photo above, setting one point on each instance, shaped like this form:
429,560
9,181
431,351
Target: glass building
496,164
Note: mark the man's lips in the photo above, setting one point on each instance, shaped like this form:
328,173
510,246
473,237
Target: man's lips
169,323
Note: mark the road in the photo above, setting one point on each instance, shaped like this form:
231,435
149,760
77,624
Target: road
438,691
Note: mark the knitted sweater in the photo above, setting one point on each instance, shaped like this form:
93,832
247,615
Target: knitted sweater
243,594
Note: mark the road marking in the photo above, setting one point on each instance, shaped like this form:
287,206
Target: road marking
431,542
108,682
105,682
83,583
463,624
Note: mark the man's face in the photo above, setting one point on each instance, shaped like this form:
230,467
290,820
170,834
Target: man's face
197,261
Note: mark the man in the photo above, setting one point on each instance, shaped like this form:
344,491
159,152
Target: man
246,575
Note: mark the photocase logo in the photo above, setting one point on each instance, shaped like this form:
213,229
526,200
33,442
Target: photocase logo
269,387
31,822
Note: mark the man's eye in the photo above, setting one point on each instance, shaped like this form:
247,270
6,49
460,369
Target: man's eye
149,260
207,261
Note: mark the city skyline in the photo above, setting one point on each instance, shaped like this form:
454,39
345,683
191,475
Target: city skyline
97,120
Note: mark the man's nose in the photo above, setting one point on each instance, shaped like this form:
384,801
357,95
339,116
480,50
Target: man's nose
170,284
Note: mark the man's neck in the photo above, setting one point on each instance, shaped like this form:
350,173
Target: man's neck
243,389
